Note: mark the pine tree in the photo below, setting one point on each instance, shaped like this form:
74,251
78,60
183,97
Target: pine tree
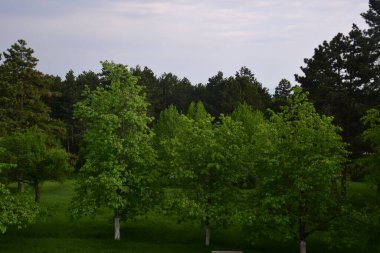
23,89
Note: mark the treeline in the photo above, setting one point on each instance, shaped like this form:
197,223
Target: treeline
126,134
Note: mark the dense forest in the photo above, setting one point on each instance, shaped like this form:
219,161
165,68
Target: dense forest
212,153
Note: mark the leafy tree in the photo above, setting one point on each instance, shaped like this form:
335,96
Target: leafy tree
167,127
257,132
118,171
205,163
372,160
299,190
14,210
168,123
17,211
36,157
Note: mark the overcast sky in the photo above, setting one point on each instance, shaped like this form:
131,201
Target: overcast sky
192,39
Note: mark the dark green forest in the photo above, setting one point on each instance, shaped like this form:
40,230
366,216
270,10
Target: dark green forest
226,155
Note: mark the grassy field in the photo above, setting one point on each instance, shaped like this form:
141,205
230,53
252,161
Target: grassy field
55,232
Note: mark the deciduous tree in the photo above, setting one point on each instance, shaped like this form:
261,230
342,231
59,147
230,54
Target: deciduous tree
299,190
205,162
17,210
37,158
119,170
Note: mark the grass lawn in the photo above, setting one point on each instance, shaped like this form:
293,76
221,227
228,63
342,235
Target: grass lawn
55,232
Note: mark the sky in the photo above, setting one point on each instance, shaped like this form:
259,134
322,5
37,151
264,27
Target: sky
190,38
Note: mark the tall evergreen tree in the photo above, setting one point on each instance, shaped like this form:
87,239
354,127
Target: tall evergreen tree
23,89
223,95
281,94
331,78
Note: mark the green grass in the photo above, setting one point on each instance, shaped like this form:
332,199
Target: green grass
55,232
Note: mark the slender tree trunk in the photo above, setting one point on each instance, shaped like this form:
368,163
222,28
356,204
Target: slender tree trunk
37,191
117,225
302,247
68,143
302,225
20,184
344,182
207,232
378,194
302,237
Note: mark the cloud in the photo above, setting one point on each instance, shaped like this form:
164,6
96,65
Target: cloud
190,38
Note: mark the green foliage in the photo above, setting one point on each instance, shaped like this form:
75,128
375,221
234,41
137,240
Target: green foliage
343,79
372,135
223,95
257,141
68,93
118,171
204,163
37,158
281,94
153,232
298,190
22,93
15,210
168,123
18,210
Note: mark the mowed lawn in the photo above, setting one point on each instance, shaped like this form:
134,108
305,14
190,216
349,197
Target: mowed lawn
55,232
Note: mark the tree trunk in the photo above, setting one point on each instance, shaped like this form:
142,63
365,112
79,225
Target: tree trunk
302,247
37,192
68,144
207,232
302,227
344,182
20,184
117,225
378,194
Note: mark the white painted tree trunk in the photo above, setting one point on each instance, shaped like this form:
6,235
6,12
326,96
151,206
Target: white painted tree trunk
207,232
117,226
302,247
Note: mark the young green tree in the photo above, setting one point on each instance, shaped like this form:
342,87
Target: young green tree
299,188
14,210
169,123
372,160
257,140
205,162
36,157
119,169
